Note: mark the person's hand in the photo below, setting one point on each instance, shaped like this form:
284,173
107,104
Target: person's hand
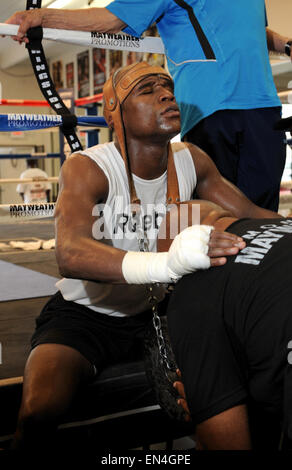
222,244
189,251
26,19
179,386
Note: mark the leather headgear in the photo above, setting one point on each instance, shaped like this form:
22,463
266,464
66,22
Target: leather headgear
115,91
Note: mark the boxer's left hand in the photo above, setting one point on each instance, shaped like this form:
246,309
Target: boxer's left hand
222,244
179,386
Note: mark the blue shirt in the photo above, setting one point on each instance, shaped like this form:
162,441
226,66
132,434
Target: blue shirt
237,74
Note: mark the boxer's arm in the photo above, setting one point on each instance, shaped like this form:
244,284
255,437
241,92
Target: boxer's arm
211,186
82,185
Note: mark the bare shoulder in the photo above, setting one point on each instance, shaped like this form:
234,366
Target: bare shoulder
201,159
80,173
81,167
195,151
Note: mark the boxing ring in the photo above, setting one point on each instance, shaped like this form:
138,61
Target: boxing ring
119,410
120,398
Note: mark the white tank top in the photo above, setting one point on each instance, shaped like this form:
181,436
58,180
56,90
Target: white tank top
114,227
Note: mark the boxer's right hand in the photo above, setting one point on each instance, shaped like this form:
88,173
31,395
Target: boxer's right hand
187,253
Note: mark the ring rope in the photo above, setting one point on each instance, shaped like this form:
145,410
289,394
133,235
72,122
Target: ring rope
28,156
36,179
78,102
30,122
119,41
12,102
28,210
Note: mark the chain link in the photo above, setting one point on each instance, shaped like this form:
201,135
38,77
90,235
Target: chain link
158,329
143,244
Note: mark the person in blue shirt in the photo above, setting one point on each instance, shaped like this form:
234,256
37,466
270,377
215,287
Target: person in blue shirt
217,55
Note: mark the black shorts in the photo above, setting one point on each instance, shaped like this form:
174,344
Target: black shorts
204,347
100,338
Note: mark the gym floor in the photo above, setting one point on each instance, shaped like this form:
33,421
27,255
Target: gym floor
17,316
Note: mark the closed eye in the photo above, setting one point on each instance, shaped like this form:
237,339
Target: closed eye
148,86
147,91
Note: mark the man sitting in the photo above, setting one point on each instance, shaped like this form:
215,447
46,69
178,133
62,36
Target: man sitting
101,310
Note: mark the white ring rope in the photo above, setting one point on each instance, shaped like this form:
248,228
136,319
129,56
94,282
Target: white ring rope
118,41
28,210
36,179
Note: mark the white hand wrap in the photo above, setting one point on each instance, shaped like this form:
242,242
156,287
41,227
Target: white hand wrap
187,253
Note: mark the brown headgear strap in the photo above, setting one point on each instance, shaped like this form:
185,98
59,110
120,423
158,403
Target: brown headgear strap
172,181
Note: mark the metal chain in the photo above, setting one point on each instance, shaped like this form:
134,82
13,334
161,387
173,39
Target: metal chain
143,244
158,329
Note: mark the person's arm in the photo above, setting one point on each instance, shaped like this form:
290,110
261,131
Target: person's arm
22,196
211,186
88,19
276,42
82,185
